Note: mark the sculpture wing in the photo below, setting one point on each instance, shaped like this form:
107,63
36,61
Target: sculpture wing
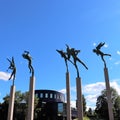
9,60
13,60
100,45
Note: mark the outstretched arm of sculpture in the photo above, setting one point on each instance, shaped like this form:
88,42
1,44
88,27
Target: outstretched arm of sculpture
62,53
10,66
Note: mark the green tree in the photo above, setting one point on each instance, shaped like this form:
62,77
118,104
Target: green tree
84,105
90,112
102,105
20,106
117,107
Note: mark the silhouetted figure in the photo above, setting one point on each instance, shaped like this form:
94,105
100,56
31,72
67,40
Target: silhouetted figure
13,68
64,55
72,52
26,55
99,52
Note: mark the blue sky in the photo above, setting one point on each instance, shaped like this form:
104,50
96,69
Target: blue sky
42,26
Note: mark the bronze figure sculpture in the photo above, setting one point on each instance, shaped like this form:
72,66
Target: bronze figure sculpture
72,52
64,55
26,55
99,52
13,68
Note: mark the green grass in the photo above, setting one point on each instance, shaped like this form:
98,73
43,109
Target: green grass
85,118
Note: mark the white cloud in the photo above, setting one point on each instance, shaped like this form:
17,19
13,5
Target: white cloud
115,85
4,76
117,63
63,91
73,104
92,98
94,44
106,45
118,52
91,92
94,88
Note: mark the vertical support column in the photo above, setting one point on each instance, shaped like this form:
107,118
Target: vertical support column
31,99
11,103
110,111
68,96
79,99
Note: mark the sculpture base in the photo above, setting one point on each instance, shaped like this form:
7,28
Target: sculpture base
110,106
68,96
79,99
31,99
11,103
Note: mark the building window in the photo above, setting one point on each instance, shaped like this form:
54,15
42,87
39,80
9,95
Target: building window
37,95
58,96
41,95
55,96
46,95
60,109
51,95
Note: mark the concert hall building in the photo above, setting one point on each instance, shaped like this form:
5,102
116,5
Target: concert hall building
52,105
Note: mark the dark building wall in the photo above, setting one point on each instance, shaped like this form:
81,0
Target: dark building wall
50,95
51,104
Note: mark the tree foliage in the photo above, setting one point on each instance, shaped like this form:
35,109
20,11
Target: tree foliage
84,105
20,106
102,105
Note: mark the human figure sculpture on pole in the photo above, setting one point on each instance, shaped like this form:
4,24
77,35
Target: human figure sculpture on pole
99,52
26,55
65,56
68,108
13,68
72,52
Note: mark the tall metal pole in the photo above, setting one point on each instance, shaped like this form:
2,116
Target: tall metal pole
110,106
68,96
79,99
11,103
31,99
